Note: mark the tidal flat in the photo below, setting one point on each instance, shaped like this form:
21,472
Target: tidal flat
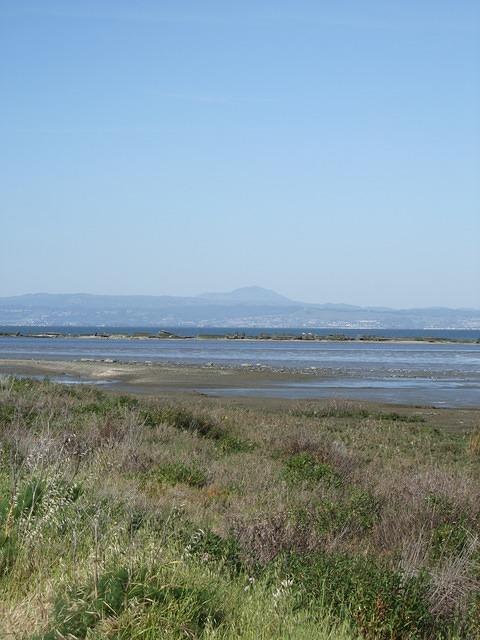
177,515
431,376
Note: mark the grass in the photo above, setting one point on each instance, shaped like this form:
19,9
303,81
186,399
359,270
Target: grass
303,468
123,517
177,473
347,411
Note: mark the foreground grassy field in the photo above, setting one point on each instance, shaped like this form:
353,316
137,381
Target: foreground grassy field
125,517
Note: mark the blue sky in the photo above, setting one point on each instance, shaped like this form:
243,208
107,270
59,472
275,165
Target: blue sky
330,151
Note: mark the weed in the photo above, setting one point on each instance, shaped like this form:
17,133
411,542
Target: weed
7,413
347,412
357,512
210,519
384,603
474,444
448,539
83,607
201,426
176,472
302,467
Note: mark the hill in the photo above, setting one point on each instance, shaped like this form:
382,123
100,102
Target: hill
244,307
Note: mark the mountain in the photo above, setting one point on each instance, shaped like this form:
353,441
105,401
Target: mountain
244,307
249,295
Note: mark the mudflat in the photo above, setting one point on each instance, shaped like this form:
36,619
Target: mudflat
183,381
151,378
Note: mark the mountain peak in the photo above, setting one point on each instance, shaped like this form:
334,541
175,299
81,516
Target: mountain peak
248,295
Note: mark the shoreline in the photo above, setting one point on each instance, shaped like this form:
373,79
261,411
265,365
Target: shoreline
255,384
304,337
168,373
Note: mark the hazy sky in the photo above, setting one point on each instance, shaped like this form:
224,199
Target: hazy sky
328,150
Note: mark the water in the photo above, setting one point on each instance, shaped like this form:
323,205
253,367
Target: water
411,391
418,373
365,358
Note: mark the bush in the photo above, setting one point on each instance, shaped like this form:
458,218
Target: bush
474,444
356,513
448,539
7,413
23,508
180,419
302,467
210,547
384,604
27,500
352,412
12,508
227,444
182,610
184,420
176,472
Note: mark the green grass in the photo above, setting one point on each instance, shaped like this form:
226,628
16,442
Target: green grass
303,468
200,425
176,472
124,518
383,603
180,609
351,412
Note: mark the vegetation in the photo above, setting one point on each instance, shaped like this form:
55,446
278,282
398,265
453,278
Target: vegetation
123,517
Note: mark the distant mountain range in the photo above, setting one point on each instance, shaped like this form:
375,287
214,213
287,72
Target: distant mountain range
245,307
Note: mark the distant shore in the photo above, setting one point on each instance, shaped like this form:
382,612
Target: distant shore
267,337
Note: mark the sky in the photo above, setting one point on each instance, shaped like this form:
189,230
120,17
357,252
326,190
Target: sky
327,150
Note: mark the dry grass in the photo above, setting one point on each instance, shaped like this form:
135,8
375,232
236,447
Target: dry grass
336,479
474,444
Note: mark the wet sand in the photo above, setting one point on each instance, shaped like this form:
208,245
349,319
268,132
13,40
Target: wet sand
258,382
151,378
183,382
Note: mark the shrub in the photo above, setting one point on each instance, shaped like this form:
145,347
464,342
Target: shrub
264,538
180,419
355,513
27,500
22,385
447,539
82,608
227,444
127,402
7,413
18,512
176,472
185,420
353,412
384,604
474,444
302,467
210,547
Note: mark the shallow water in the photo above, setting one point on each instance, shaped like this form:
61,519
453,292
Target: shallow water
412,391
418,373
400,358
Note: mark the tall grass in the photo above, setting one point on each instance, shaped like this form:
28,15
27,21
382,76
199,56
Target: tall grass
127,518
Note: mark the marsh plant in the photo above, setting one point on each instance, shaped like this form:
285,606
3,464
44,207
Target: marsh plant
123,518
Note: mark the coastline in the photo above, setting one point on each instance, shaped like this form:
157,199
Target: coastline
158,376
255,385
304,337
